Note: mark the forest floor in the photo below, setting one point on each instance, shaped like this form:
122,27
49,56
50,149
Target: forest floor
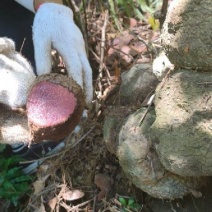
85,176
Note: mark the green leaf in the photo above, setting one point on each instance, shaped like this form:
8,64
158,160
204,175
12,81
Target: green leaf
122,201
128,7
14,172
2,147
8,186
145,7
154,23
130,202
2,179
2,192
9,162
135,206
22,187
139,14
22,178
14,200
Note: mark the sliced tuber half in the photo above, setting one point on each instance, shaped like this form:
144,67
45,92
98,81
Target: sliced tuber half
54,107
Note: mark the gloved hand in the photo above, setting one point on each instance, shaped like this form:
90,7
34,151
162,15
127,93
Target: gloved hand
16,75
54,27
16,78
54,102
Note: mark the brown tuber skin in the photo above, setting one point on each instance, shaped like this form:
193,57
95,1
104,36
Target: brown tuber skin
54,107
13,126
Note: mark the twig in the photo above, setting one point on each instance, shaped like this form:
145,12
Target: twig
85,28
163,12
51,156
102,52
204,83
81,204
194,204
148,108
103,44
94,204
105,67
83,137
79,22
119,50
75,208
150,102
22,45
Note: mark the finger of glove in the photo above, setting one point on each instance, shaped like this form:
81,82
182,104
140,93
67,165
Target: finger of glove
16,76
7,48
42,49
87,78
22,61
14,87
71,60
6,45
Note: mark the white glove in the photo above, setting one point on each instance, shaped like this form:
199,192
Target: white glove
54,27
16,75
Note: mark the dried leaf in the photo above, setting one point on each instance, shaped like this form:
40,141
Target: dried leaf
133,22
102,194
117,71
73,195
103,182
39,185
186,49
41,209
196,193
52,203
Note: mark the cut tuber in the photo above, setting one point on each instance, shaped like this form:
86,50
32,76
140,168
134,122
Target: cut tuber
54,107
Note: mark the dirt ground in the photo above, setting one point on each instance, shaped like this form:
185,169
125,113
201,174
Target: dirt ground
85,165
90,168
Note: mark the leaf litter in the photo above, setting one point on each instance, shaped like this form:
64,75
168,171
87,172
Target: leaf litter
85,176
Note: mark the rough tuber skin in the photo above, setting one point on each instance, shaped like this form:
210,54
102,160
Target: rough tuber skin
54,107
13,126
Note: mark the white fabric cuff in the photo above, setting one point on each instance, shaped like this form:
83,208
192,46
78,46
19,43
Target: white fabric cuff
27,4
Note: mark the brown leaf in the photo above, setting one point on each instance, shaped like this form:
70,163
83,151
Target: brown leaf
41,209
137,48
52,203
103,182
186,49
196,193
101,195
117,71
73,195
133,22
39,184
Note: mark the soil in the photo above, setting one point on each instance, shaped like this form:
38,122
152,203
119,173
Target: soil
86,164
89,167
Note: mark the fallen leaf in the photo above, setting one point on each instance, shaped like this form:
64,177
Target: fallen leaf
73,195
186,49
133,22
52,203
103,182
154,23
39,185
117,71
42,207
102,194
196,193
